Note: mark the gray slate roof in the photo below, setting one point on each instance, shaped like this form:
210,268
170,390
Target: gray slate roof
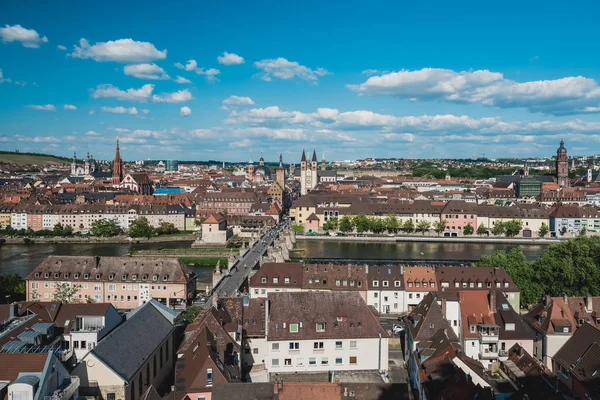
126,349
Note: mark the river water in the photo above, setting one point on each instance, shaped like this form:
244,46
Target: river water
21,259
431,251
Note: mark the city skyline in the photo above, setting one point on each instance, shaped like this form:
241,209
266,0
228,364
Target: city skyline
228,82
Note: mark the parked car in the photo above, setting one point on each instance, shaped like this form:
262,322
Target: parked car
312,233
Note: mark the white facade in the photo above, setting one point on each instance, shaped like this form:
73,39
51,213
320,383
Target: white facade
263,292
18,220
388,300
321,355
412,299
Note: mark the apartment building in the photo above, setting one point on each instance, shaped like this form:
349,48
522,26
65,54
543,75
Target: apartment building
125,282
418,281
323,331
386,291
573,219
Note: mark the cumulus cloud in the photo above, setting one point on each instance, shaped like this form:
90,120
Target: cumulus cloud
122,130
47,107
569,95
110,91
27,37
146,111
210,74
146,71
127,51
283,69
180,96
181,79
92,133
230,59
185,111
237,100
120,110
61,47
69,107
37,139
190,66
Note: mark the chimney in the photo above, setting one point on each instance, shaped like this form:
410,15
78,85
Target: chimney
266,318
215,299
588,304
444,307
547,300
14,310
492,301
565,298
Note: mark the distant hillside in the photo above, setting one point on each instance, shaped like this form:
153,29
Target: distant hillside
31,158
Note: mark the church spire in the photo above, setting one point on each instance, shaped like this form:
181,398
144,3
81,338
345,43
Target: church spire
117,166
280,160
303,156
314,157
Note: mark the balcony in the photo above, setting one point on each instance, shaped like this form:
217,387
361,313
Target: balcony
488,337
487,354
64,354
66,390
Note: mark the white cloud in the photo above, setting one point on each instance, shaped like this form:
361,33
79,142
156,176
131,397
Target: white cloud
91,133
120,110
122,130
406,137
127,51
210,74
237,100
61,47
180,96
146,71
47,107
28,37
181,79
185,111
190,66
38,139
110,91
284,69
146,111
92,112
69,107
230,59
370,72
569,95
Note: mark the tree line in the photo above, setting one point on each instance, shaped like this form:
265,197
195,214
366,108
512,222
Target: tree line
569,268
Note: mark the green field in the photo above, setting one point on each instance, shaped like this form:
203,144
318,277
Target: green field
27,159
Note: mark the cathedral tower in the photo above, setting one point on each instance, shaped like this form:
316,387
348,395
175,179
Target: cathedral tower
562,165
117,177
303,174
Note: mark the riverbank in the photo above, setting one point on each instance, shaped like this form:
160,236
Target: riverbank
101,240
432,239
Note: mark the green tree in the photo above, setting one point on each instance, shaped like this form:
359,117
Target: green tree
563,231
361,222
191,313
58,229
468,229
377,225
408,226
543,230
346,224
423,226
513,227
499,228
481,229
166,228
333,223
105,228
440,226
583,231
12,284
64,292
299,229
391,223
140,227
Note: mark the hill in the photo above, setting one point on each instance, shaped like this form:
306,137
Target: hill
31,158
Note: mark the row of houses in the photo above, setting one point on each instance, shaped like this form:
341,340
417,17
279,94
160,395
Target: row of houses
315,210
391,289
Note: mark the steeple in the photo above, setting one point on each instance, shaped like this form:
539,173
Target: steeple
280,160
303,156
117,166
314,157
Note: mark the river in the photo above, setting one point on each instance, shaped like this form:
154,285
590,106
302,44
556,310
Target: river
316,249
21,259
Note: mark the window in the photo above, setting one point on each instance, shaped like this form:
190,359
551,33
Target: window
293,327
275,346
112,287
385,283
255,350
324,361
338,361
338,345
318,345
479,284
320,326
299,361
376,295
397,283
97,288
209,378
472,328
353,344
410,295
432,284
375,283
286,280
110,396
287,362
35,285
83,344
505,284
275,280
294,346
353,360
312,361
456,284
410,284
275,362
424,284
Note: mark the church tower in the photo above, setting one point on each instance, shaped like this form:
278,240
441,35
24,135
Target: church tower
117,177
86,164
323,163
590,173
280,173
74,165
251,170
314,170
562,165
304,175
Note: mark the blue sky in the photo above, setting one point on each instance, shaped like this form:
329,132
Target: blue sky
352,79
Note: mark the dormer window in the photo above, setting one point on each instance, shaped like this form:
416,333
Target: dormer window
397,283
165,278
37,274
86,276
134,277
46,275
144,277
320,326
375,283
154,277
275,280
385,283
97,276
263,280
123,277
56,274
456,284
76,276
286,280
110,277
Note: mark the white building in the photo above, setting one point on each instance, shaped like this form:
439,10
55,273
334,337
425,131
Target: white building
386,289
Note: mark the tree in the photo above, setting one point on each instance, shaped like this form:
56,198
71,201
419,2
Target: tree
140,227
299,229
481,230
391,223
440,226
583,231
361,222
408,226
346,224
543,230
468,229
191,313
105,228
498,229
563,230
58,229
67,230
423,226
513,227
166,228
332,224
377,225
12,284
64,292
